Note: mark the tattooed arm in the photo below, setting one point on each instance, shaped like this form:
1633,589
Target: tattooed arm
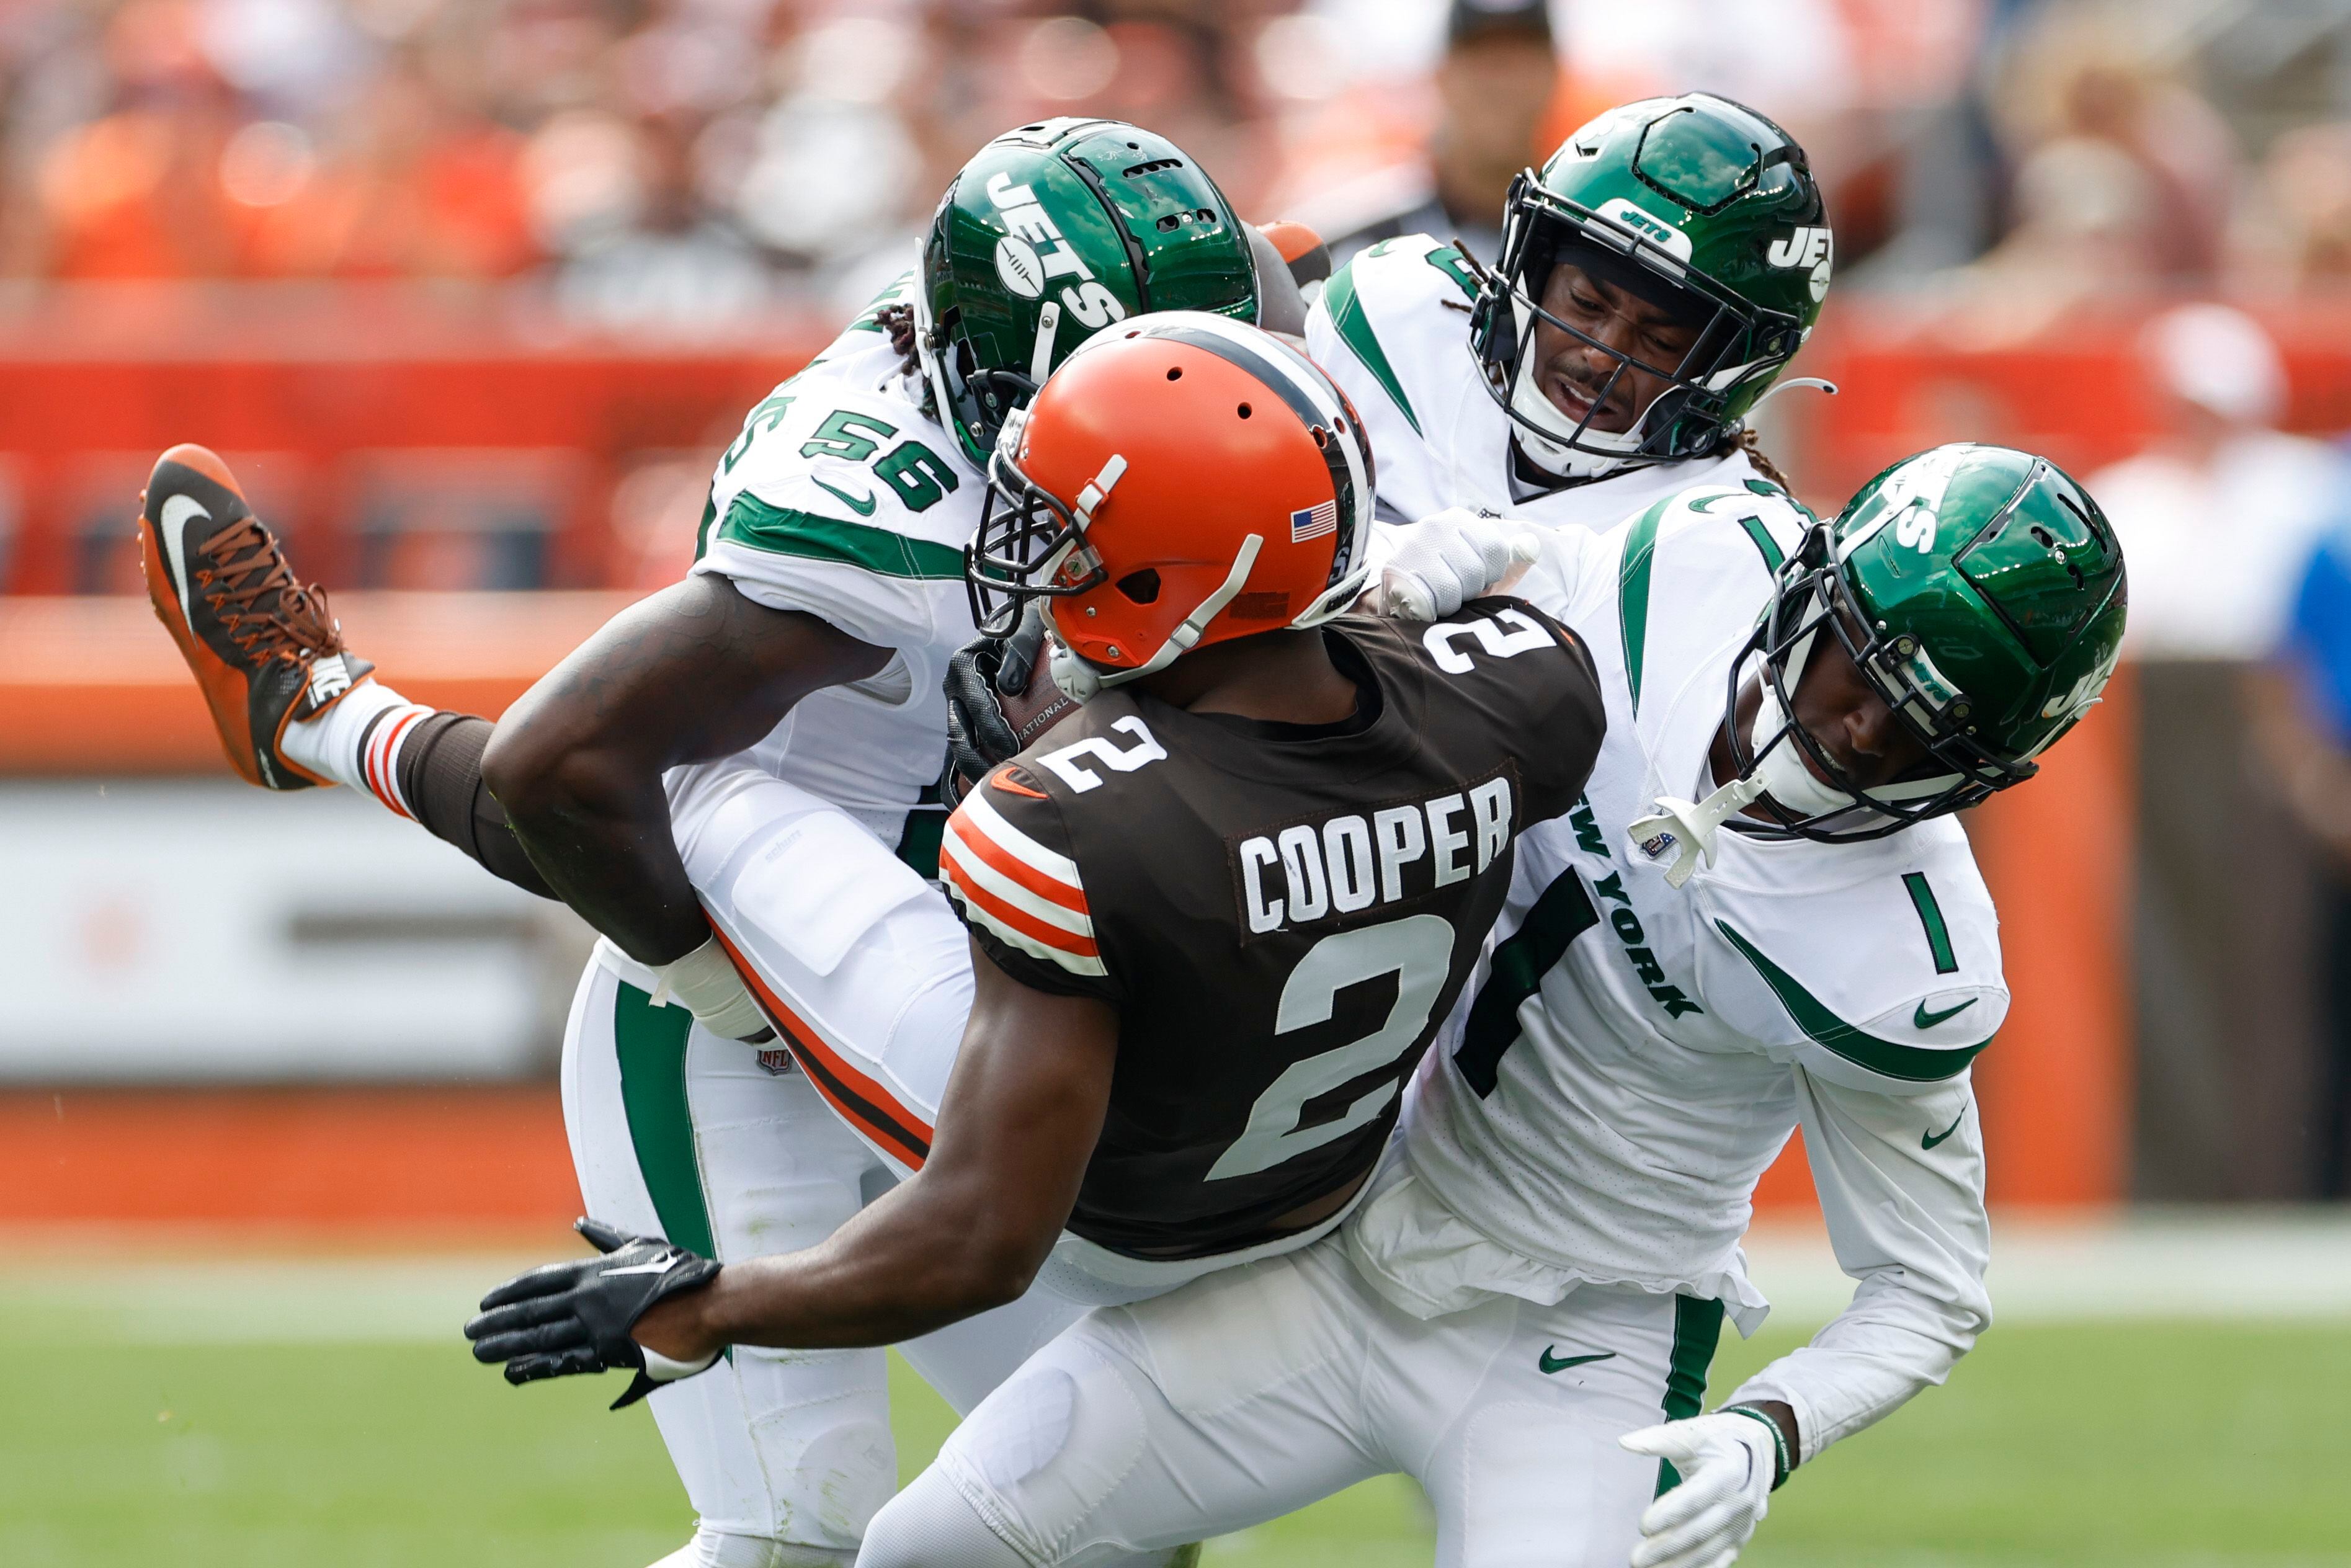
694,673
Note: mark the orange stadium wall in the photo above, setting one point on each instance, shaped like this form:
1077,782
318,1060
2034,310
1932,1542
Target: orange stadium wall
88,686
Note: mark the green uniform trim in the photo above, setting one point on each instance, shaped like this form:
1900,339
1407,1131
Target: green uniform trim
868,318
926,826
781,530
1633,592
1773,559
1891,1058
1356,331
1447,260
1930,915
1564,913
1697,1329
702,528
651,1044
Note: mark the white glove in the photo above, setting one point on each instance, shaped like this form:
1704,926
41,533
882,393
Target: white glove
1727,1466
1451,557
705,983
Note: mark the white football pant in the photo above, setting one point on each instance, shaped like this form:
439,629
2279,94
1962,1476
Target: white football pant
735,1150
679,1134
1255,1391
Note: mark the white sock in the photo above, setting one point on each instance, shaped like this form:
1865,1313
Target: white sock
357,741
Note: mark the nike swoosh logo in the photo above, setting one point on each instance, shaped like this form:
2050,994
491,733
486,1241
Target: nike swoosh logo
1929,1140
177,510
658,1266
1922,1019
1550,1364
1002,780
862,505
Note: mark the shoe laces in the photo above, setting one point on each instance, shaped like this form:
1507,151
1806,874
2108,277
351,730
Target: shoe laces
262,609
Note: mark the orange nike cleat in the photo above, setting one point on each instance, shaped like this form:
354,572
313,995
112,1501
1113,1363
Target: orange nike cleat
263,647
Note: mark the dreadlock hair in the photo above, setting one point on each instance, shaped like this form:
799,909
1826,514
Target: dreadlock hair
1742,439
898,320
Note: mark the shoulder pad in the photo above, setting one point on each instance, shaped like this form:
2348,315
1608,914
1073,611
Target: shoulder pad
864,333
1768,516
1898,994
1384,297
861,457
845,503
1005,861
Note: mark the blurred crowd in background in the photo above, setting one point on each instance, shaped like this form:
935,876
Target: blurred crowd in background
681,162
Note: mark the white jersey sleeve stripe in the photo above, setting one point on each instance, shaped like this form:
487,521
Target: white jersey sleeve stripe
971,865
991,830
1076,954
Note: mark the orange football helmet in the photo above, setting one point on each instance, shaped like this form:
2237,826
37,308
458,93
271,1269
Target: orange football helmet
1180,480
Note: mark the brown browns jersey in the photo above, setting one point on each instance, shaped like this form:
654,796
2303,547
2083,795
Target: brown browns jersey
1282,915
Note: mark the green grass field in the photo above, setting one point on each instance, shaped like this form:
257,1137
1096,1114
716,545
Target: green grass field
150,1418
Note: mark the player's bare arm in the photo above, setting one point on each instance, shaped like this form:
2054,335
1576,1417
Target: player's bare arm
1018,1123
695,672
970,1230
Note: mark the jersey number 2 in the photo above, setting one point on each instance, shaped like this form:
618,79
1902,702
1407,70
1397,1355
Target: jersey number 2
1417,950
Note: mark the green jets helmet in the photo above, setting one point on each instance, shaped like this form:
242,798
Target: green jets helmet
1980,591
1050,233
1696,204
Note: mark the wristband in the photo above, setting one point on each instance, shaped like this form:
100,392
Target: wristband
1780,1467
706,984
660,1368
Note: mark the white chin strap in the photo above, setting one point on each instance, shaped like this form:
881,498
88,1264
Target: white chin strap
1690,828
1545,445
1081,678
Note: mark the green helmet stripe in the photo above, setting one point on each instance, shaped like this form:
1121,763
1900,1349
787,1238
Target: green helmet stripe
1355,331
1887,1058
1633,592
780,530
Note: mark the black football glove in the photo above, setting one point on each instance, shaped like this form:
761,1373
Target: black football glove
979,675
569,1317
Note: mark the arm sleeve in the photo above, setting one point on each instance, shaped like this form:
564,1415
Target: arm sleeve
1906,1214
1005,865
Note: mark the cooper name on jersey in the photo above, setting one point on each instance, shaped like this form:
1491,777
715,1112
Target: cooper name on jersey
1327,868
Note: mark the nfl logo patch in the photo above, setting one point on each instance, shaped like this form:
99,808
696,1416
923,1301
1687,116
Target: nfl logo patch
1314,522
1657,844
777,1061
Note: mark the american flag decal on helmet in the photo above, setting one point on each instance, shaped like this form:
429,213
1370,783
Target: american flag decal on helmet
1314,522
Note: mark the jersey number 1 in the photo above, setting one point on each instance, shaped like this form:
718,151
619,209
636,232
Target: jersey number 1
1417,950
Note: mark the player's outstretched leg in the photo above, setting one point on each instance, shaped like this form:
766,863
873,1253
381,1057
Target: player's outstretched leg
266,652
294,706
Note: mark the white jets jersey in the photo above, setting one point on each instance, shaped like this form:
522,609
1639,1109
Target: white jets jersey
843,501
1635,1055
1392,327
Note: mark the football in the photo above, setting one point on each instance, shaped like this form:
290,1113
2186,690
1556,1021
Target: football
1043,706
